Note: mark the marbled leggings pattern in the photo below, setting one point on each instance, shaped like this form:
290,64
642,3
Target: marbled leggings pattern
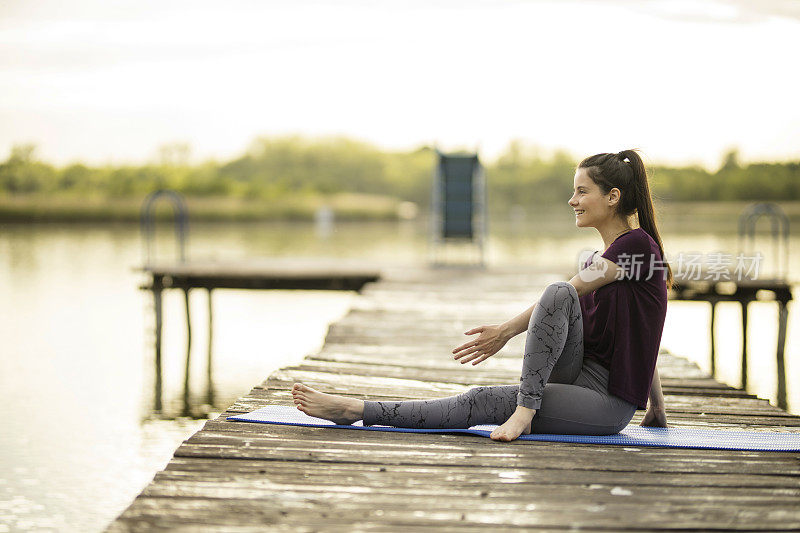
569,394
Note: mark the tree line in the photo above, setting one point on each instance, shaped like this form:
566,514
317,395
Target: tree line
277,167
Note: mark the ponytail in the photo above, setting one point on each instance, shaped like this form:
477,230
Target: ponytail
625,170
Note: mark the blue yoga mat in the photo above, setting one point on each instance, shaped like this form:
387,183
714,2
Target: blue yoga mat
632,435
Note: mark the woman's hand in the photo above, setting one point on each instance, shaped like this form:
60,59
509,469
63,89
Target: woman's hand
488,343
655,417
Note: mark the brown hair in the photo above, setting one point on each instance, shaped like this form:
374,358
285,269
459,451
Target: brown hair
625,171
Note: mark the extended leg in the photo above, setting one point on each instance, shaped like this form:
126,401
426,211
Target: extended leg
479,405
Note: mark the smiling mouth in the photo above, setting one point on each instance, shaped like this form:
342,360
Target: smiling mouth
579,213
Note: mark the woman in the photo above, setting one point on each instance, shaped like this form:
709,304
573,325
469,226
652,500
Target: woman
592,342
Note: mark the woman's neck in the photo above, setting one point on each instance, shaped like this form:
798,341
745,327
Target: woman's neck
613,229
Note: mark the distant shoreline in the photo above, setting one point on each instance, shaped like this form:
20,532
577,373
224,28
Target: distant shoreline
345,207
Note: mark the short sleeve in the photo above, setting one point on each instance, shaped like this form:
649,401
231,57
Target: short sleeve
590,259
633,253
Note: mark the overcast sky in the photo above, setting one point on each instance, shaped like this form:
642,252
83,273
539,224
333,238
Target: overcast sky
106,81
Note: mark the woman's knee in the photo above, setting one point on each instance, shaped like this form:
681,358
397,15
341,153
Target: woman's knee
626,419
561,285
560,289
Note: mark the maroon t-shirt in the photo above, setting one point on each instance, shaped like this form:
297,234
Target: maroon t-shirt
623,320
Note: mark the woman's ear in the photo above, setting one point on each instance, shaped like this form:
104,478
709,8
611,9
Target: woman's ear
614,196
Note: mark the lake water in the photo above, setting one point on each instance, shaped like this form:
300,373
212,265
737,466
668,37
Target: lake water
79,441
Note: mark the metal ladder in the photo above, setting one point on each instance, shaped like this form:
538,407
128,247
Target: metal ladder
148,227
747,232
779,227
147,224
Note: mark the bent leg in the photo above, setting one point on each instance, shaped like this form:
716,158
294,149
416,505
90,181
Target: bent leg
554,343
575,410
479,405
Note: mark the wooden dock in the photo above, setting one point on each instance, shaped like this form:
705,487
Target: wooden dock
267,274
396,343
715,289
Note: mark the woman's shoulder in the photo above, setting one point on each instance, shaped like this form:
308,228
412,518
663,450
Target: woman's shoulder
636,234
637,239
635,252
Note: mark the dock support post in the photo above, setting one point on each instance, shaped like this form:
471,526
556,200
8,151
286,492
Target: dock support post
783,313
186,406
157,289
744,344
713,342
209,367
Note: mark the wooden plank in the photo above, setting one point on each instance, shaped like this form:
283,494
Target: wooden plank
461,476
331,509
267,267
262,275
429,450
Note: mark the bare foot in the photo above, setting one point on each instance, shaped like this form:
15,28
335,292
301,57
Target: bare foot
519,423
338,409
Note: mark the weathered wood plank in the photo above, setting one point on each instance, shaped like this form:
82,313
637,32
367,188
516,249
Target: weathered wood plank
508,494
333,452
448,476
419,513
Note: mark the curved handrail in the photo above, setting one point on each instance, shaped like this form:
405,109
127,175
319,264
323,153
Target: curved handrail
747,230
147,222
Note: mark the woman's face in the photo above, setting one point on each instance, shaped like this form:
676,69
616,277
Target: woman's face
590,204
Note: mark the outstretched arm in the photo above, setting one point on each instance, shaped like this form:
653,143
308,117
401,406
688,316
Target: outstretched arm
519,324
600,272
492,338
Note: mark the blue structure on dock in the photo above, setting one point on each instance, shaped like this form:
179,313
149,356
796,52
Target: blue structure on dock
458,207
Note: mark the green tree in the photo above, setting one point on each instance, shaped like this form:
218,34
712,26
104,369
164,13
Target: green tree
22,172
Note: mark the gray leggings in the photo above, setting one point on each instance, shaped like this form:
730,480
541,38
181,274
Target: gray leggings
570,393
